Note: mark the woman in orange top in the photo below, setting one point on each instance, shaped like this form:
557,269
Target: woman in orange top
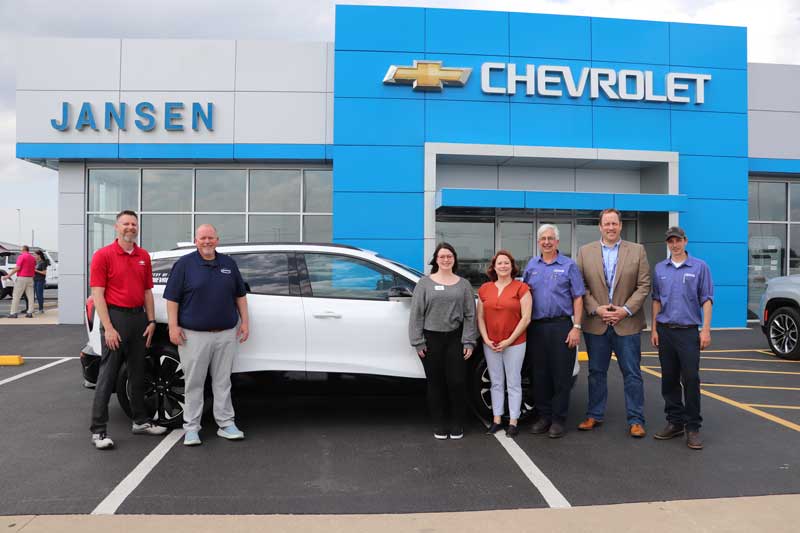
504,312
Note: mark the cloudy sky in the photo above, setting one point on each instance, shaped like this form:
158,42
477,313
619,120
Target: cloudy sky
773,37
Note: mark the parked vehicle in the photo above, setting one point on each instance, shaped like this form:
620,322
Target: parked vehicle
313,308
8,260
780,316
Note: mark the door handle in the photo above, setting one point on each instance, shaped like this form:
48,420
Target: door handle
326,314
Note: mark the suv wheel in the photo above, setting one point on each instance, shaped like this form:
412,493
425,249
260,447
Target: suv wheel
163,389
480,393
783,333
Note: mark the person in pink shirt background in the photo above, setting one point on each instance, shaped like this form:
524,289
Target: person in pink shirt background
24,270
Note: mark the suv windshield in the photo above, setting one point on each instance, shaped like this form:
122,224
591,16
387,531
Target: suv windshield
401,265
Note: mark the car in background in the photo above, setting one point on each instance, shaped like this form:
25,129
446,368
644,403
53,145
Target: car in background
779,315
320,308
8,260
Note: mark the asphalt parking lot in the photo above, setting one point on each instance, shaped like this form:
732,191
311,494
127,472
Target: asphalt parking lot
363,445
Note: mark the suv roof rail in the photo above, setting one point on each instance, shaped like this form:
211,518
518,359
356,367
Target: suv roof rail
227,244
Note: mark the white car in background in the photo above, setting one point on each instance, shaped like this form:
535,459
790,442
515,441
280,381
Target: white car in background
8,260
313,308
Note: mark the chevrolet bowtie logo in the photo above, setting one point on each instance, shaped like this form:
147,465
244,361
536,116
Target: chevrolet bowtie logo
427,76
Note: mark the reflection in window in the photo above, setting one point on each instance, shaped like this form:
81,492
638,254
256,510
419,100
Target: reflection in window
112,190
220,190
766,245
264,273
317,228
167,190
162,269
318,191
474,244
164,232
767,201
275,191
274,228
334,276
230,228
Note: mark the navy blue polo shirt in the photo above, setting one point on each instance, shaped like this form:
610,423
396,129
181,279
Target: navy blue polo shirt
206,291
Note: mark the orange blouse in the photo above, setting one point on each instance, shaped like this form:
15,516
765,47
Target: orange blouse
502,312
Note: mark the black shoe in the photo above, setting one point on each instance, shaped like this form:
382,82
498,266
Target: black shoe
29,315
541,426
556,430
512,431
494,428
457,433
11,316
670,431
693,440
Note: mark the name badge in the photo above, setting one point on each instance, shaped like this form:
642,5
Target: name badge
438,287
225,270
687,276
559,271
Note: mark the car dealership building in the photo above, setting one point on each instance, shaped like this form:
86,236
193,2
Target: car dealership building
467,126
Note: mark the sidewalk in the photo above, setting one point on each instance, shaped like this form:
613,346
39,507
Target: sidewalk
49,317
765,513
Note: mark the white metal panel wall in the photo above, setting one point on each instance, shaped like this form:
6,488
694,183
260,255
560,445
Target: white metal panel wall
281,66
177,65
68,64
280,118
774,111
35,110
71,241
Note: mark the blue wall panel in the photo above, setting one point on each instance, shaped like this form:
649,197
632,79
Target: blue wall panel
480,198
284,152
376,215
659,85
406,251
657,203
360,74
700,45
452,31
575,68
631,128
178,151
551,125
378,169
472,91
726,91
380,28
552,36
68,150
466,122
730,306
379,121
756,164
716,220
630,41
568,200
701,133
713,177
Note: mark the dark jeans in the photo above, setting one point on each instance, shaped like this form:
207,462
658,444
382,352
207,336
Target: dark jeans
679,353
629,356
38,292
130,327
552,362
446,372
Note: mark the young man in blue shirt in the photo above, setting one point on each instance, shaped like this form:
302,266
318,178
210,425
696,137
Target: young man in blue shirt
683,294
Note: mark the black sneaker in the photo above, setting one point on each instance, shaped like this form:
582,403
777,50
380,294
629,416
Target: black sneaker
494,428
101,441
512,431
556,430
457,433
439,434
29,315
12,316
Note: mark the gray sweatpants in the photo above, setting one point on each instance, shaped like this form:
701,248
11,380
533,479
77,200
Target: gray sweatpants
203,352
505,371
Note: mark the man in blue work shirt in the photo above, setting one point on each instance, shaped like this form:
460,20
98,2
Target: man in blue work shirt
555,330
207,313
683,295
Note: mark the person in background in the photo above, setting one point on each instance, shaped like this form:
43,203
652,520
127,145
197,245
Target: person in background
39,278
441,329
24,270
504,312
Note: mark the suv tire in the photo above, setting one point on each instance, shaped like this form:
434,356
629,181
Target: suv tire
783,333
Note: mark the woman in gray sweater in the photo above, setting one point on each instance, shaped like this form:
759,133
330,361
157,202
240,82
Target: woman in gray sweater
442,329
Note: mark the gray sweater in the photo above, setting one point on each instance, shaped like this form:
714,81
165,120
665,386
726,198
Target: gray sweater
437,307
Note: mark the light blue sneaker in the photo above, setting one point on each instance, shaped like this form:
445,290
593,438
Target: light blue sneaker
192,438
230,432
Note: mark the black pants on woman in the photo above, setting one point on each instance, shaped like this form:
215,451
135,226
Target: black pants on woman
446,371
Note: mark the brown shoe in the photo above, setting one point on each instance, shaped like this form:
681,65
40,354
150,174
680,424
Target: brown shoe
670,430
637,431
589,424
693,440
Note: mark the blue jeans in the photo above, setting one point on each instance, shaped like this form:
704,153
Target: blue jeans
629,356
38,291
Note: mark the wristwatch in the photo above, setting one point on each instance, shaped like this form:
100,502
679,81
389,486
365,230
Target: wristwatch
151,322
577,326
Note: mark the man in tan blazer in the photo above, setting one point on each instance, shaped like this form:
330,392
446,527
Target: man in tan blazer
617,278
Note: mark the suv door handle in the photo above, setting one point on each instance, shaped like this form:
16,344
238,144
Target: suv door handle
326,314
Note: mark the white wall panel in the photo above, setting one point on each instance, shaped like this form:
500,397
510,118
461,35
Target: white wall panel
35,110
68,64
71,208
71,298
71,177
329,118
280,66
537,179
773,87
223,118
774,134
280,118
602,180
178,65
466,177
71,253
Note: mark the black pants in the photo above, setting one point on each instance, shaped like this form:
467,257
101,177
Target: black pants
130,327
445,370
679,353
552,362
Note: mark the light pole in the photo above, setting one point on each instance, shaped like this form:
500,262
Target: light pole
19,227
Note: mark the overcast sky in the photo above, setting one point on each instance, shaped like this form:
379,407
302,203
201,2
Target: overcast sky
773,37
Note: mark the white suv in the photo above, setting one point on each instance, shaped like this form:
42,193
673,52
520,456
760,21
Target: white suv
313,308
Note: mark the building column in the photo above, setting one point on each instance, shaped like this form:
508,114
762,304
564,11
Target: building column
71,242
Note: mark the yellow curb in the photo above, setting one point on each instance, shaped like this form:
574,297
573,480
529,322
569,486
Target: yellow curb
583,356
11,360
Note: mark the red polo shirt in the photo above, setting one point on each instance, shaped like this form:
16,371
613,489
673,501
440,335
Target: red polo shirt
26,265
125,276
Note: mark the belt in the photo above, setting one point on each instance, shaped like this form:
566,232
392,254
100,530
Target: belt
552,319
677,326
131,310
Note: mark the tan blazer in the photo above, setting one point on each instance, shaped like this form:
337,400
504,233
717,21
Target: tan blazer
631,286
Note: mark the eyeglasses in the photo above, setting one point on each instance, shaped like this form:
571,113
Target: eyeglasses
446,257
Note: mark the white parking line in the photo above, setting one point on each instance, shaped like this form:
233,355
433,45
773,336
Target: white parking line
48,357
112,502
29,372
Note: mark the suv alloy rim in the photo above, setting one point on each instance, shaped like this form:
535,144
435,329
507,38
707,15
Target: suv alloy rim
783,333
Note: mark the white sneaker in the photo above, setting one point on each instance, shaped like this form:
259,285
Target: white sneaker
191,438
148,428
101,441
230,432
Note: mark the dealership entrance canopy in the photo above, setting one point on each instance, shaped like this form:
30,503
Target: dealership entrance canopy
467,126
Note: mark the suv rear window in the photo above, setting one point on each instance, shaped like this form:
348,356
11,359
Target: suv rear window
265,272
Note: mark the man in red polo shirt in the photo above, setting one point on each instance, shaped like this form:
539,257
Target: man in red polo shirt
26,264
122,281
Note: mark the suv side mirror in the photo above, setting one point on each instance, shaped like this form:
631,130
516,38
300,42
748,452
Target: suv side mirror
400,292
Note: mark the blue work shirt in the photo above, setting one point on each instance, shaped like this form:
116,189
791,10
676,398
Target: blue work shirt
682,291
554,286
206,291
610,256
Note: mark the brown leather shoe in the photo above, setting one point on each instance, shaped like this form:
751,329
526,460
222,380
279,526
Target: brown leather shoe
693,440
589,424
670,430
637,431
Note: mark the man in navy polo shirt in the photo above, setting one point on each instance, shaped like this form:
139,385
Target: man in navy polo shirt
207,313
683,295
